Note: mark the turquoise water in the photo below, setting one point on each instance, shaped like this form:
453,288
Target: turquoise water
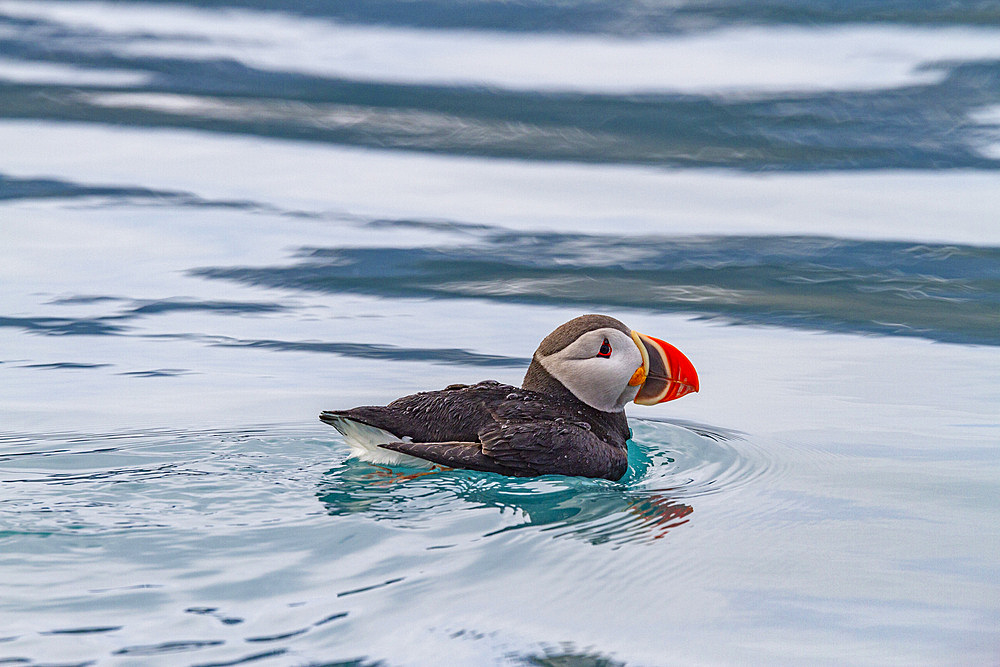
219,218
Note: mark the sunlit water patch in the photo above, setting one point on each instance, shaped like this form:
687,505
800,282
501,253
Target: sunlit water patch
661,85
730,58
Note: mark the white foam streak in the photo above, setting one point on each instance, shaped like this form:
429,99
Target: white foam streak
744,59
18,71
943,207
988,118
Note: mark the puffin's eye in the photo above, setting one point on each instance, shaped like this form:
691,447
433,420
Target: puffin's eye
605,349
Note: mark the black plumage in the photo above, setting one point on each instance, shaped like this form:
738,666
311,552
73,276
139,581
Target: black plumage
499,428
537,429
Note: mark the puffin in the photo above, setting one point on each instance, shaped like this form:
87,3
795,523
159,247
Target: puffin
566,418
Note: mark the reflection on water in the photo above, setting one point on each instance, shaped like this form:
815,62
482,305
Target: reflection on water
698,98
669,467
571,508
942,292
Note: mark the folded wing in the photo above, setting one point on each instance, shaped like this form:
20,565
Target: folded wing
525,449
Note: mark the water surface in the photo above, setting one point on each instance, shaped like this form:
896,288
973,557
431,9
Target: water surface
219,218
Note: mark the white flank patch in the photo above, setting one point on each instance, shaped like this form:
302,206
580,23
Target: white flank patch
364,441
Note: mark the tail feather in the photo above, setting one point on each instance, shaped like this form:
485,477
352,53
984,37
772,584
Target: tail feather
364,440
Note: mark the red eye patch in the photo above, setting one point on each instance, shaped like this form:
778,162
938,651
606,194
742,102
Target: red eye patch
605,349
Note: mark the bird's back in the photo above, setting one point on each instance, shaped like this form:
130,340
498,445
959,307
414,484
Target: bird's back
456,413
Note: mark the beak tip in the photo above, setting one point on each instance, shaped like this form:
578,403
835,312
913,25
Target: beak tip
671,374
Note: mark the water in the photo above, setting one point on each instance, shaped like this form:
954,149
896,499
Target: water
219,218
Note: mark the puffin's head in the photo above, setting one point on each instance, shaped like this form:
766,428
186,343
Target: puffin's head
605,364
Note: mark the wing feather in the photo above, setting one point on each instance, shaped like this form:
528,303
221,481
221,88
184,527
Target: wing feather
525,449
453,454
498,428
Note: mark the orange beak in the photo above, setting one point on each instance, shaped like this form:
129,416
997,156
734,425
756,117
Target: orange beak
665,373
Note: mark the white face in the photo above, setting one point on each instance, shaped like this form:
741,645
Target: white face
596,373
